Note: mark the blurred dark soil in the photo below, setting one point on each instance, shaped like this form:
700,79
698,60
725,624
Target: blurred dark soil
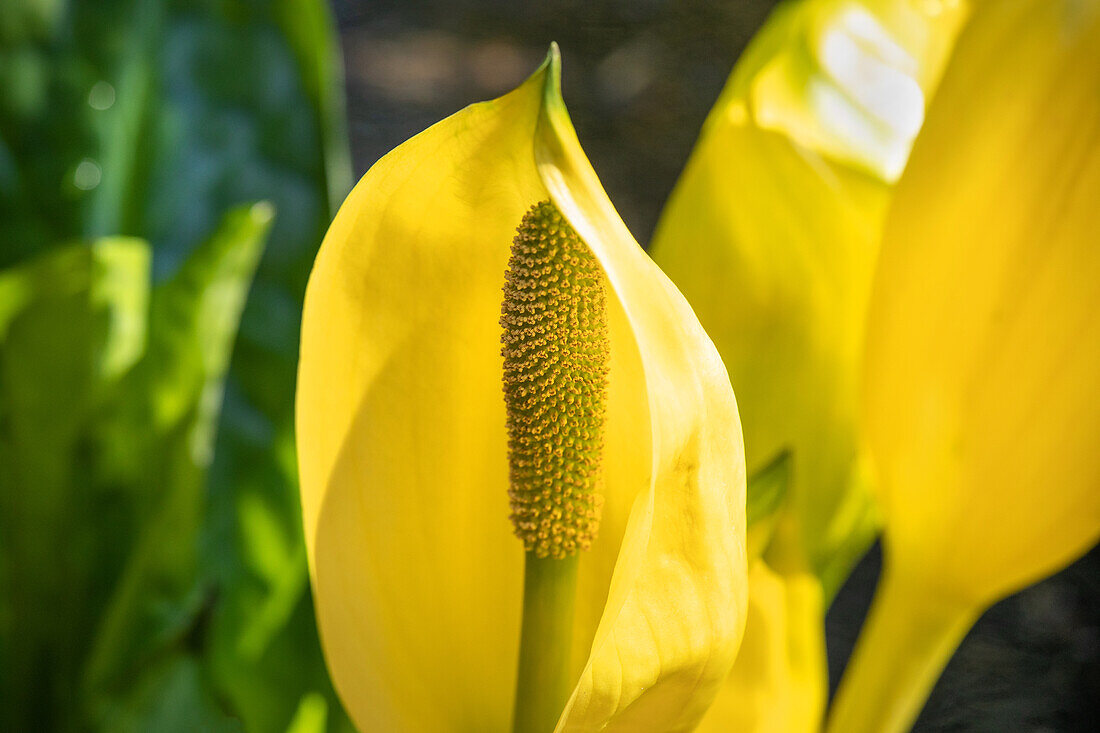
638,76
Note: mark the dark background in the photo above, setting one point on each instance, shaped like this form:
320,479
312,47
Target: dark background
639,77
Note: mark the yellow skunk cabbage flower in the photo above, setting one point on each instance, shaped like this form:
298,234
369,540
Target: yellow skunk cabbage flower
982,393
778,682
773,230
403,442
772,234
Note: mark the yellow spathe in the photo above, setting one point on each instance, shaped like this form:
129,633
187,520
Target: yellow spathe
851,78
400,417
772,234
780,679
983,363
982,391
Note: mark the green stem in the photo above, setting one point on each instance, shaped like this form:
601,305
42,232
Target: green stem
544,683
908,637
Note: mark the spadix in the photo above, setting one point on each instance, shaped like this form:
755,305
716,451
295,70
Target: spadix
556,355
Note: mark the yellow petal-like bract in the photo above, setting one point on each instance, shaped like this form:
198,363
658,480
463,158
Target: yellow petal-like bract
983,363
403,456
773,230
780,679
772,234
982,392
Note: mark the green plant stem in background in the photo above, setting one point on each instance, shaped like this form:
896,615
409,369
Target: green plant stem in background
543,684
908,637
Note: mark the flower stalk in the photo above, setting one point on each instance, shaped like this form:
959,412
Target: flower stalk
544,681
908,637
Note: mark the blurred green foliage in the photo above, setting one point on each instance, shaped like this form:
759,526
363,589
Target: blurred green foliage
152,574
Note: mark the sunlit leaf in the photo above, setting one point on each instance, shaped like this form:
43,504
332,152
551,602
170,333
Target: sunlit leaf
153,119
174,394
70,322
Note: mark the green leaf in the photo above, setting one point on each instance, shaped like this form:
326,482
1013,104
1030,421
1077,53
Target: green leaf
172,697
767,491
767,488
310,30
175,395
311,715
71,323
172,113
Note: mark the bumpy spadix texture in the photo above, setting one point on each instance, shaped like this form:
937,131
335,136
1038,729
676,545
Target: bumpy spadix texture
555,384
